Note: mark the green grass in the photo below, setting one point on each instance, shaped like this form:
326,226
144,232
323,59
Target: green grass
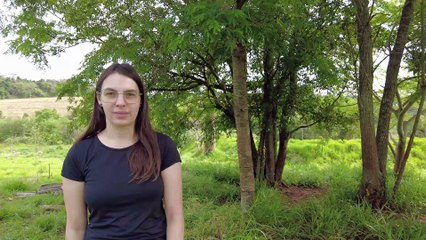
211,195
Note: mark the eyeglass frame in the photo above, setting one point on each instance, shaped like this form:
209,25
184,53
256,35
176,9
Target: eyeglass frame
118,93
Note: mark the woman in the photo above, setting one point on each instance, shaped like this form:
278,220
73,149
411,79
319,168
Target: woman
127,176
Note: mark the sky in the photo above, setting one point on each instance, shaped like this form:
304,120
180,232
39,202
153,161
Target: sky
60,67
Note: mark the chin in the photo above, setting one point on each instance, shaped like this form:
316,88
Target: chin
122,122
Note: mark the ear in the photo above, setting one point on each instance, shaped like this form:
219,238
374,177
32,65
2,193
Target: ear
98,98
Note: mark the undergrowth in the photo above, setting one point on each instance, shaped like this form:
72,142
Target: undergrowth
211,195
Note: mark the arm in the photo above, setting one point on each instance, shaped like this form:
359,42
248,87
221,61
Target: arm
75,208
173,205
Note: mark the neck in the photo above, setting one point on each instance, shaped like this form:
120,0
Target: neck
118,137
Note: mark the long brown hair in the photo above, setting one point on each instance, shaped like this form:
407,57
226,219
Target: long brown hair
144,156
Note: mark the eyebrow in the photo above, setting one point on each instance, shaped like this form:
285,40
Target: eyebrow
126,90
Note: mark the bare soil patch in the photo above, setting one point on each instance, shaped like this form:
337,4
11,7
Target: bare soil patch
423,219
298,193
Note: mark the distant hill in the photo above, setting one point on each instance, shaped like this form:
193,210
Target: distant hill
11,88
17,108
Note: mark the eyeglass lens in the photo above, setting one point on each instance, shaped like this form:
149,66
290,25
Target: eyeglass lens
130,96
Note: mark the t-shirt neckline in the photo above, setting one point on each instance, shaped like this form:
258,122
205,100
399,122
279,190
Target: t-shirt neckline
112,148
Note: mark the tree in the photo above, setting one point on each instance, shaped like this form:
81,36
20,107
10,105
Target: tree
240,105
405,104
295,64
23,88
372,187
294,77
374,148
382,138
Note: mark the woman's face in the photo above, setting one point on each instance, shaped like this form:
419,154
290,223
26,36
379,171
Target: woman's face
120,99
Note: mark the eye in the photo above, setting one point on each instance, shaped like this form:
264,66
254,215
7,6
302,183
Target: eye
131,94
110,93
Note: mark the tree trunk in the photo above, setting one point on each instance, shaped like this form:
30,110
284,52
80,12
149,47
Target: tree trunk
260,163
268,131
402,132
407,152
282,156
422,88
284,134
209,145
372,187
270,152
254,154
382,138
400,147
239,64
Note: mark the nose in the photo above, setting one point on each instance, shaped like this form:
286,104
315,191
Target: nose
120,100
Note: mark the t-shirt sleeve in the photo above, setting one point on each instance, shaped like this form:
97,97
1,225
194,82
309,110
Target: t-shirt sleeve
72,167
169,153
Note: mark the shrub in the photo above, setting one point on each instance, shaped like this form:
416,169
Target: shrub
46,127
12,128
15,186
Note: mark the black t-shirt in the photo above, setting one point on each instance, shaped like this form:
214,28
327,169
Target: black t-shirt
117,208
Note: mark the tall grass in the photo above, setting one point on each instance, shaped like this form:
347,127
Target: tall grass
211,195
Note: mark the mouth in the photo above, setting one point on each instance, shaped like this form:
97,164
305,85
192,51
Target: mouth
121,113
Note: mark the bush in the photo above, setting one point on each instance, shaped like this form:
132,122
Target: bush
14,185
47,127
12,128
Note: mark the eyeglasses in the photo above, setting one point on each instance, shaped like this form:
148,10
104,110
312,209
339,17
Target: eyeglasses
110,95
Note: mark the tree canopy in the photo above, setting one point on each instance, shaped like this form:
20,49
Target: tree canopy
23,88
302,61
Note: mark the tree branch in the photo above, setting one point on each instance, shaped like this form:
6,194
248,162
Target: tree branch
178,89
303,126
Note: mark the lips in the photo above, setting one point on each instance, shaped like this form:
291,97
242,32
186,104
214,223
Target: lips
120,114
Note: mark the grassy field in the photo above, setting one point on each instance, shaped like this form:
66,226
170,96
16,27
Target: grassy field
211,195
16,108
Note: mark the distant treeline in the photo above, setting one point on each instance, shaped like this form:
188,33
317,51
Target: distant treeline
23,88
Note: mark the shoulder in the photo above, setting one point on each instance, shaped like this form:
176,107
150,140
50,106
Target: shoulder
85,143
164,140
82,146
75,162
168,151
